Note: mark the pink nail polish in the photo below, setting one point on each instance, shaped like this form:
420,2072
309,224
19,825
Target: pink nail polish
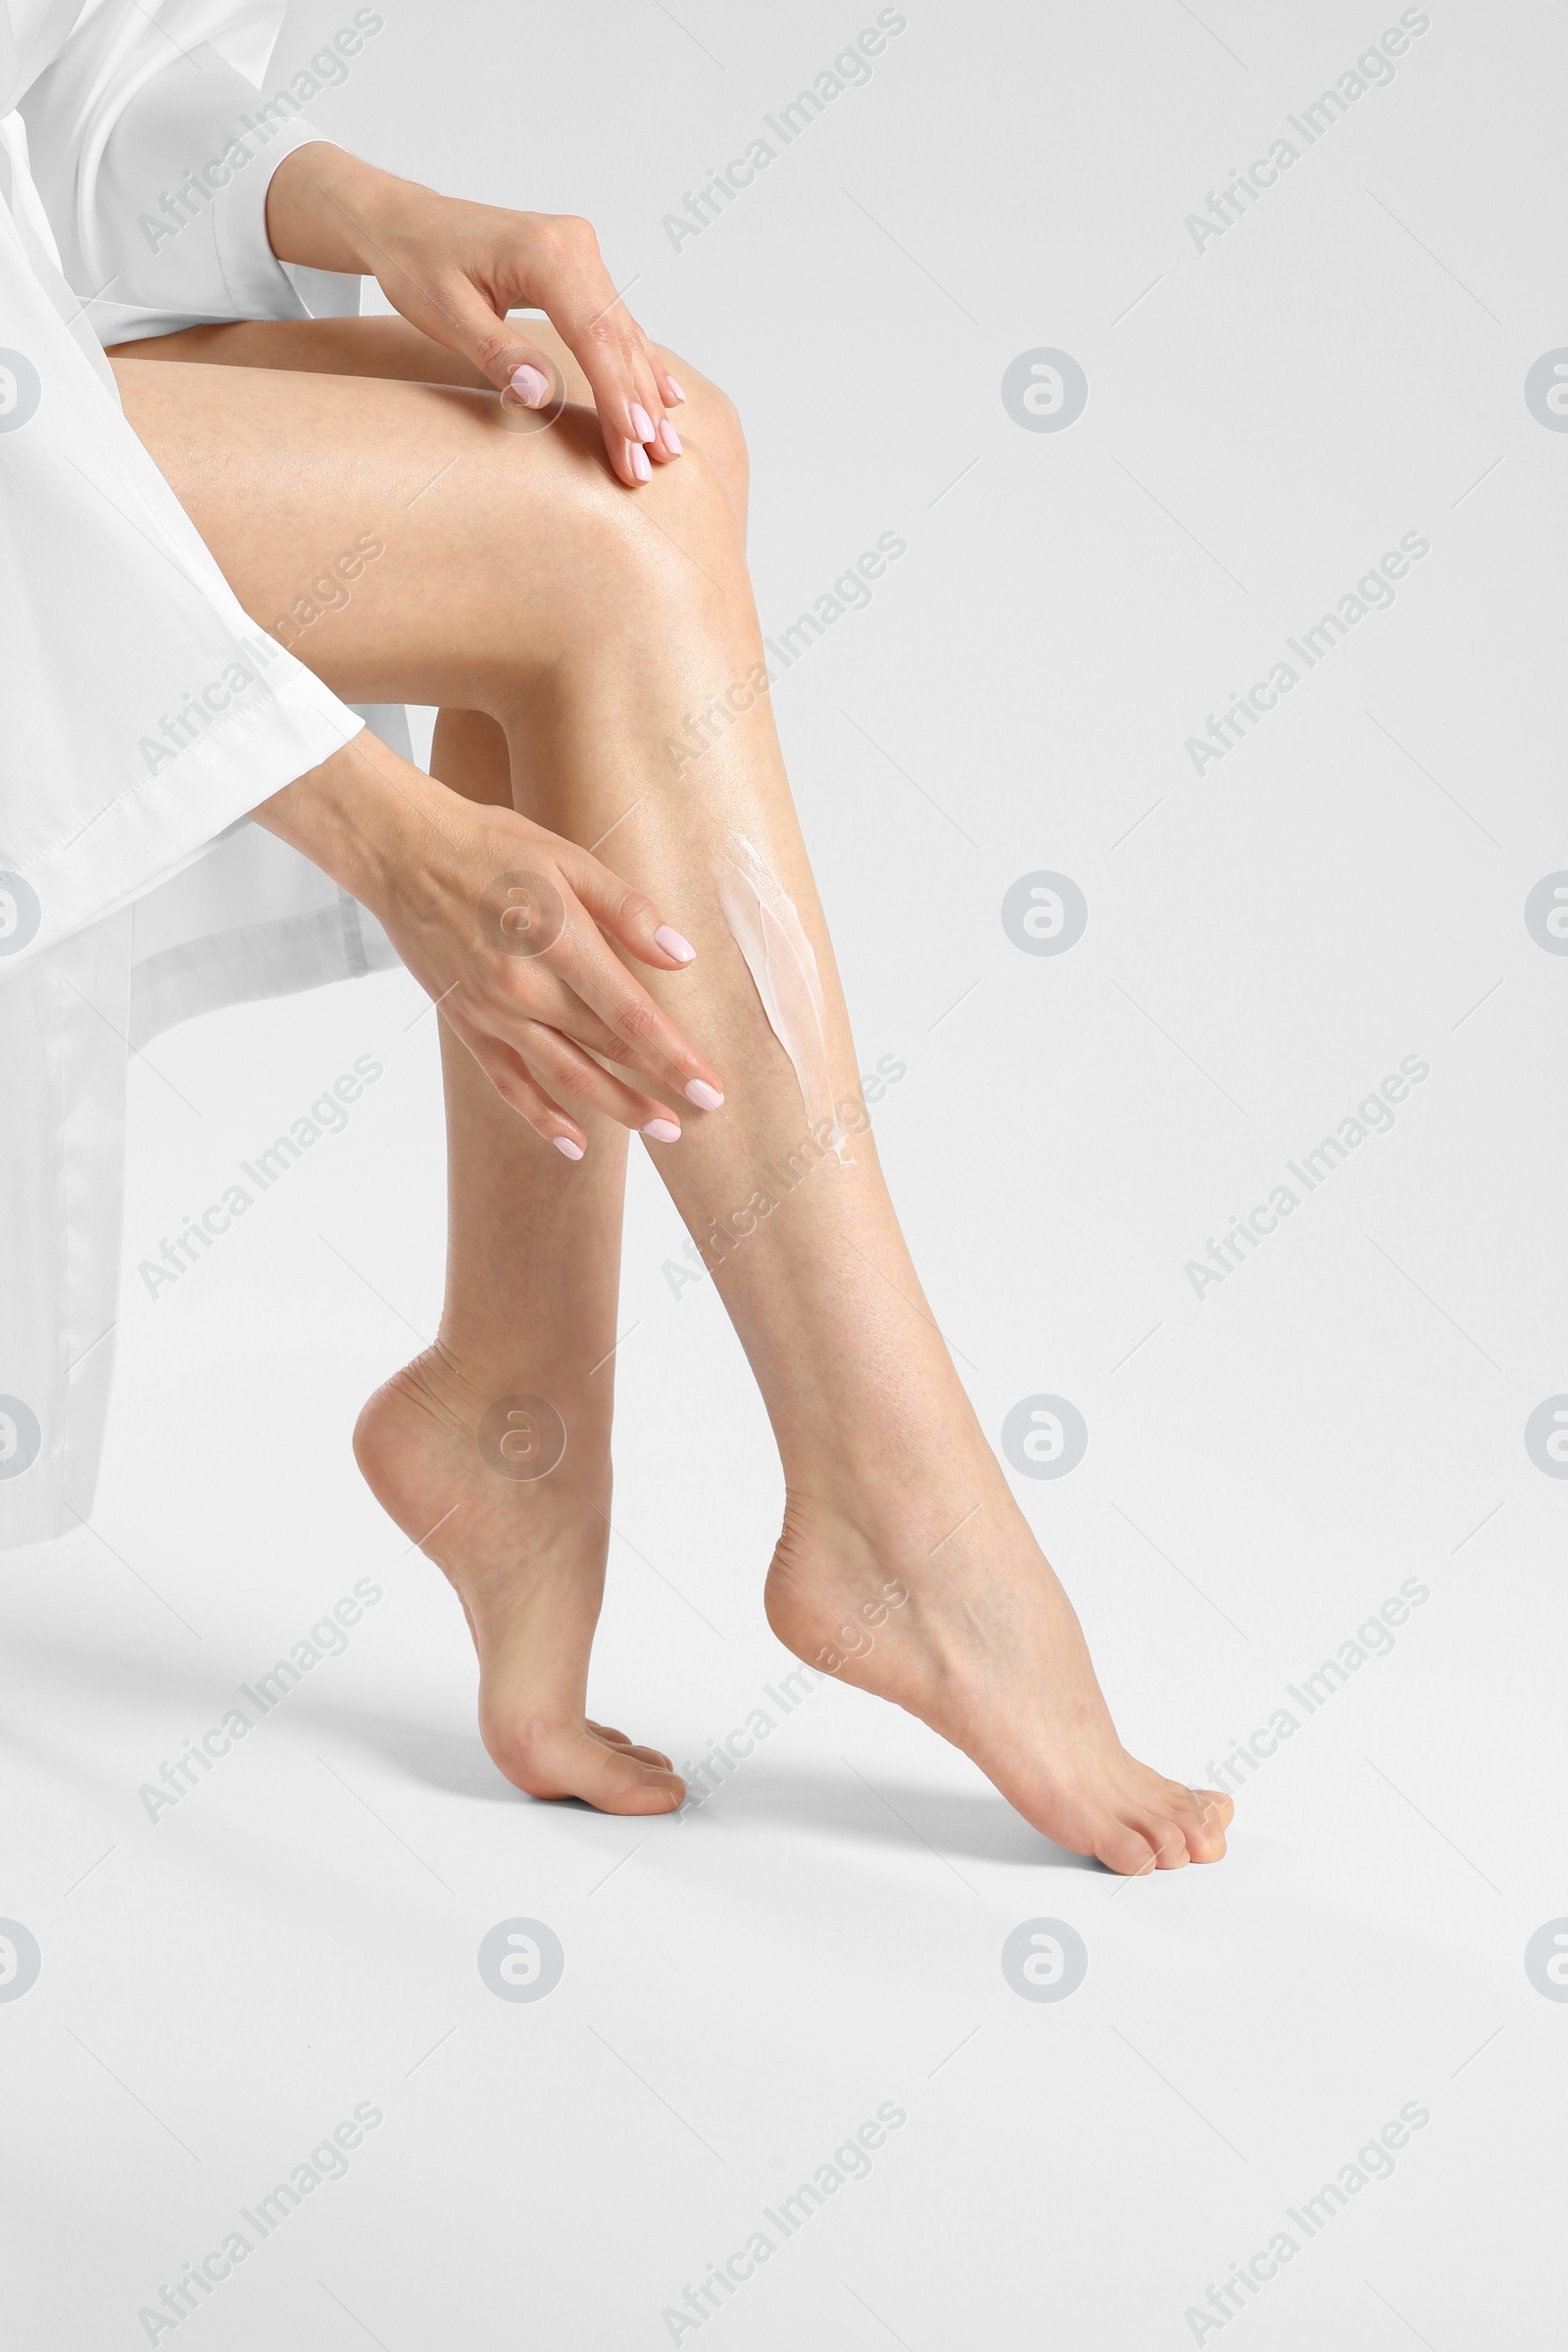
675,389
531,388
705,1097
640,466
642,425
670,438
567,1148
663,1131
670,940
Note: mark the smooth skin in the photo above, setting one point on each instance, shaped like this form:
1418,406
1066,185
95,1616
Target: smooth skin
573,614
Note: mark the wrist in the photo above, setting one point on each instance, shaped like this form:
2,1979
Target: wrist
330,210
360,816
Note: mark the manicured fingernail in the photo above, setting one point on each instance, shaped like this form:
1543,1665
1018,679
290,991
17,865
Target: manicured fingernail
670,940
705,1097
564,1145
663,1131
531,388
670,438
639,462
675,391
642,425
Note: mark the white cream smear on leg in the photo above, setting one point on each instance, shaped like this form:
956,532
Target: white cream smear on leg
782,962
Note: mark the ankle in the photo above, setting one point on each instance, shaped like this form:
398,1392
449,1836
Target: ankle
482,1391
899,1501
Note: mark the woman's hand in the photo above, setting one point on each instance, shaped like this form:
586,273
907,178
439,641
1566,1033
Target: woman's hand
455,269
500,922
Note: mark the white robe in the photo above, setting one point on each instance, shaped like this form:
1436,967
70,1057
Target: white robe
142,714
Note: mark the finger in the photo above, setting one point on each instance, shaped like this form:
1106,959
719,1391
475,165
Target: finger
564,1068
643,1038
510,362
629,916
506,1072
612,352
664,445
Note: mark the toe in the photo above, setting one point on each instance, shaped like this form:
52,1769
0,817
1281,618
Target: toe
1169,1842
1125,1850
629,1747
570,1760
617,1782
1206,1828
623,1778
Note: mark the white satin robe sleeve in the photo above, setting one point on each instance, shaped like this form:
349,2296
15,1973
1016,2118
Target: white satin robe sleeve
152,147
142,714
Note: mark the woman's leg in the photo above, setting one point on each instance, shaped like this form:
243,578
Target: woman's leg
533,1256
533,1261
612,636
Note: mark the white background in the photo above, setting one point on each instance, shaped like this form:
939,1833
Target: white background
1342,1413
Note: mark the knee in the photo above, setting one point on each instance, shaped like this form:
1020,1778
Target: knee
709,423
678,542
604,569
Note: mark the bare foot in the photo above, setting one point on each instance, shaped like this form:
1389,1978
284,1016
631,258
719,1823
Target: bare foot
952,1611
526,1559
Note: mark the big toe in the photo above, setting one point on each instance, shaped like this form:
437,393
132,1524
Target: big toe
575,1763
1204,1823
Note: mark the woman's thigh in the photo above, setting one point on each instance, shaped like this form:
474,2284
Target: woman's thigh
395,351
410,542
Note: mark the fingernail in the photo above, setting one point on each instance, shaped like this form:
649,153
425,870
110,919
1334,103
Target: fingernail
663,1131
564,1145
670,438
705,1097
642,425
531,388
639,464
675,389
670,940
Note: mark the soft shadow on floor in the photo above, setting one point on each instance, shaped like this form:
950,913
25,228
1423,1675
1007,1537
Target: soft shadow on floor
454,1762
974,1824
829,1801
